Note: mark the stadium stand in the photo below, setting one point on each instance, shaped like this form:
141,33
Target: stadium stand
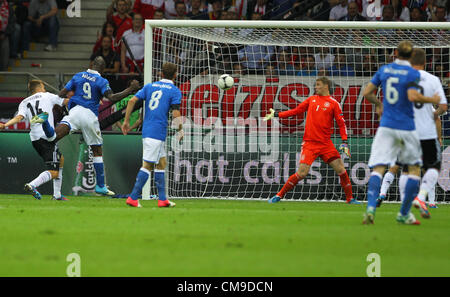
76,37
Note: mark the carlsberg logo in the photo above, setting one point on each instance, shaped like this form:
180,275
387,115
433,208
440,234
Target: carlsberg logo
74,9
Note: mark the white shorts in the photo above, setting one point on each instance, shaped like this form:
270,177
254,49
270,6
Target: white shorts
153,150
84,120
391,145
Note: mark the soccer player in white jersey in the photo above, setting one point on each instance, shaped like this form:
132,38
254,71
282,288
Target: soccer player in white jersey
41,101
159,98
425,118
89,88
396,137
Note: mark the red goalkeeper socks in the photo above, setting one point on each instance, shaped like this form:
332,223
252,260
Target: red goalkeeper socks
289,185
346,185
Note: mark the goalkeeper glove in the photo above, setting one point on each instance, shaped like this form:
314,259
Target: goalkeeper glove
270,115
344,149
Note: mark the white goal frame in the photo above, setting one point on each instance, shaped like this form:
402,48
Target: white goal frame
150,24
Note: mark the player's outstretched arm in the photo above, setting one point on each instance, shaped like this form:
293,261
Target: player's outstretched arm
12,121
133,88
416,96
129,110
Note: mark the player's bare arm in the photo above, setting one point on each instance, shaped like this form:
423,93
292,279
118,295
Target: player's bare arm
177,123
128,111
134,86
14,120
442,108
416,96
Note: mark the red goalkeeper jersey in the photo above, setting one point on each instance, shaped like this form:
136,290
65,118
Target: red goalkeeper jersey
321,111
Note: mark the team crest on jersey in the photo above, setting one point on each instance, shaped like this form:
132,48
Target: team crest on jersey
327,104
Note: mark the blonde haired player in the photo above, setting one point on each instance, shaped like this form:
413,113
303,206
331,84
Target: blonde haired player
322,111
41,101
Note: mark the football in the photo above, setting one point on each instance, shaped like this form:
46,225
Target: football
225,82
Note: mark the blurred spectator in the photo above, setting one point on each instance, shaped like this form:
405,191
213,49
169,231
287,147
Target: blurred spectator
232,13
438,60
340,66
353,13
112,8
180,9
110,56
339,11
261,6
255,57
122,19
238,70
4,40
135,40
401,12
369,65
217,6
197,12
324,59
158,15
388,13
13,32
240,8
147,8
270,70
108,29
309,67
42,20
284,66
169,9
417,15
440,14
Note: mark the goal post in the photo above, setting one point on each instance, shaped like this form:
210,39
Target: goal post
228,150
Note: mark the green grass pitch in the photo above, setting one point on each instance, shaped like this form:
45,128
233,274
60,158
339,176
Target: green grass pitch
215,238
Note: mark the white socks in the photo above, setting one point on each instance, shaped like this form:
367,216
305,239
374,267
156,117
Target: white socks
429,181
41,179
387,181
57,184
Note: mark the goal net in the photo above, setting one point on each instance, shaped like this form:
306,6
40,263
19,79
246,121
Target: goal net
228,150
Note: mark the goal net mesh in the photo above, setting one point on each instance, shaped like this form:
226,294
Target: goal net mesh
229,151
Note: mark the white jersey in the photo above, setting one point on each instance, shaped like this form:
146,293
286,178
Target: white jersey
36,104
423,112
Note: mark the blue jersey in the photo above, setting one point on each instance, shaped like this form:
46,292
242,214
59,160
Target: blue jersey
396,78
88,88
158,98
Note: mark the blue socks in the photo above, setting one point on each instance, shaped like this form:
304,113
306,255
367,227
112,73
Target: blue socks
160,184
99,171
141,179
411,191
48,130
373,190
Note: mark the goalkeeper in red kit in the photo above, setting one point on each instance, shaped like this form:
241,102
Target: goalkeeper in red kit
321,110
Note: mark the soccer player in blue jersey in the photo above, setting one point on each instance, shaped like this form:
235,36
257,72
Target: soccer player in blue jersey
159,98
396,135
89,88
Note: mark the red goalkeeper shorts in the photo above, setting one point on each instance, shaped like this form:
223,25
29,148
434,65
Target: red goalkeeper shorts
311,150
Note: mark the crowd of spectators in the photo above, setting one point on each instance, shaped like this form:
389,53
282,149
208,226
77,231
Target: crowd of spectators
124,20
